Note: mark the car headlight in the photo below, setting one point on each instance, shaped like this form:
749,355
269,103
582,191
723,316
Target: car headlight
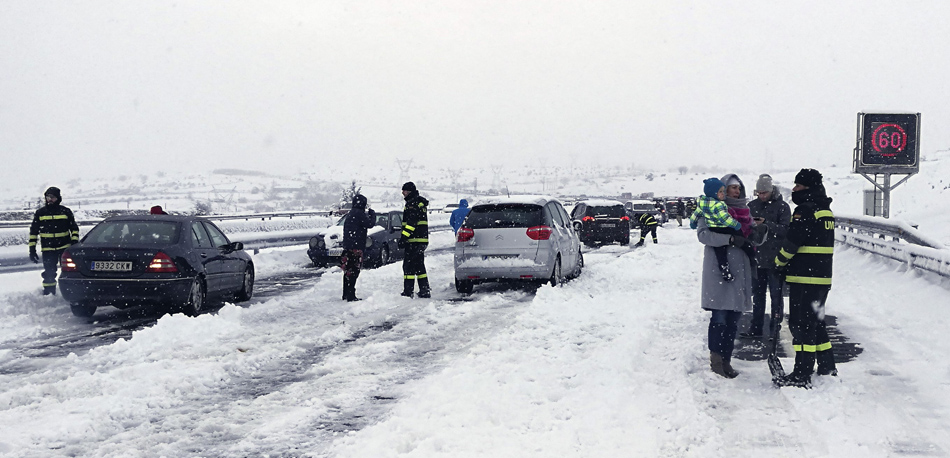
369,242
316,242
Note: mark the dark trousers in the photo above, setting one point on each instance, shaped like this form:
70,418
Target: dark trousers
414,268
721,251
644,230
806,321
766,280
723,325
50,262
351,262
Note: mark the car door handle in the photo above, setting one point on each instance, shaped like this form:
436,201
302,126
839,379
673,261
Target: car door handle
204,255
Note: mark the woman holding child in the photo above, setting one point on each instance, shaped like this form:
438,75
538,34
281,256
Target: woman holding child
726,298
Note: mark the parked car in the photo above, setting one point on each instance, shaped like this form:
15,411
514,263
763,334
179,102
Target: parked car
179,261
450,208
518,238
601,221
326,247
635,208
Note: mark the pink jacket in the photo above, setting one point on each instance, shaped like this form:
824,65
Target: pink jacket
744,218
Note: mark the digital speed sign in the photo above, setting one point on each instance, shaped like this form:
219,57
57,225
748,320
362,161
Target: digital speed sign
887,143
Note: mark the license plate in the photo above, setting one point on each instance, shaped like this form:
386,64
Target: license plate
608,225
500,256
112,266
336,251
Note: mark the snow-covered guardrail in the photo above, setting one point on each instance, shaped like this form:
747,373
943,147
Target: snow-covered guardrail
906,243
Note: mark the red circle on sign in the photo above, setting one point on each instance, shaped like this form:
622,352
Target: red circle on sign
902,134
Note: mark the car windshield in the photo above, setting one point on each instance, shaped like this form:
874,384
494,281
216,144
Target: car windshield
613,211
382,220
342,220
504,215
134,233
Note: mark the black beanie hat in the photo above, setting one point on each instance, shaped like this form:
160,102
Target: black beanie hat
808,177
54,191
409,186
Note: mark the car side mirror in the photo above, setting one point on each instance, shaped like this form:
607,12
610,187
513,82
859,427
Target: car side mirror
395,228
235,246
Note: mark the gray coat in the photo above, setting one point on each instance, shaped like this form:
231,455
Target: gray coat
718,294
777,217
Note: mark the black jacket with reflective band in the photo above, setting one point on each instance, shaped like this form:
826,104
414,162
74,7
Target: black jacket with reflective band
809,246
415,222
647,219
55,228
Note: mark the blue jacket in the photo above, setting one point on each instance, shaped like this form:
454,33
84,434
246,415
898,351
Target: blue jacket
459,214
358,220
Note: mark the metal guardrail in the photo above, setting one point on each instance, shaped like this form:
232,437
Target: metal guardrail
249,216
906,243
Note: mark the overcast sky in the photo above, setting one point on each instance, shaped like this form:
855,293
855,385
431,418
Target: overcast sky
118,87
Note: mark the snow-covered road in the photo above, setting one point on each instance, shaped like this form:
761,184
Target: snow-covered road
613,363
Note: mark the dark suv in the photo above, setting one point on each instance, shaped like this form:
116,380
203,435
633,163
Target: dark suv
601,221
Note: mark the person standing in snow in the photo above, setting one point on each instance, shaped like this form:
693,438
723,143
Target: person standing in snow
414,239
680,211
726,300
771,211
458,215
648,225
805,260
358,220
157,210
55,228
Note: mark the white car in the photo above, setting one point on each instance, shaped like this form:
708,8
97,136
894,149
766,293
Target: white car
450,208
520,238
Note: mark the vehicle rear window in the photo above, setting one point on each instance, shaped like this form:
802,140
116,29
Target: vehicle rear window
613,211
644,207
134,233
504,215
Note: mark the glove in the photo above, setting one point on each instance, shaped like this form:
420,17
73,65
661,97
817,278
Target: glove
33,256
737,241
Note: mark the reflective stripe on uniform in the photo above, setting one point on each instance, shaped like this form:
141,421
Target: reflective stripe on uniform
57,248
812,348
422,276
422,223
58,234
417,240
49,284
32,236
406,233
824,214
407,226
409,277
49,217
808,280
817,249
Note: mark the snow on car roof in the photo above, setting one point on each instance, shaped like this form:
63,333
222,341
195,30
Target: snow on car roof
600,202
521,199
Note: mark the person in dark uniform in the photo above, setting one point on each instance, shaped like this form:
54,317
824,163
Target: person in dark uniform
358,220
55,228
414,239
680,211
648,224
805,260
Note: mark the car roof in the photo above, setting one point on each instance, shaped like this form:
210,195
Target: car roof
176,218
640,201
600,202
522,199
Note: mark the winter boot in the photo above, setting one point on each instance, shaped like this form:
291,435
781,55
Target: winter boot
727,368
718,366
408,285
801,376
424,290
349,288
49,290
826,363
640,243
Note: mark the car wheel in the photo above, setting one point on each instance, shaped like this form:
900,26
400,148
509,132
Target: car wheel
196,298
383,256
556,278
580,265
625,240
82,310
464,286
247,287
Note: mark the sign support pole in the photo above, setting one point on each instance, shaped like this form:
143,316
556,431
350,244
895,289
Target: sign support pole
886,189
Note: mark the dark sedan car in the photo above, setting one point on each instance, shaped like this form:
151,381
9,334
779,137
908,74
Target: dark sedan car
381,248
178,261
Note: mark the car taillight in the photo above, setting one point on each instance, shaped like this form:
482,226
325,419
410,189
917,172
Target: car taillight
624,218
161,263
465,234
66,263
587,218
539,232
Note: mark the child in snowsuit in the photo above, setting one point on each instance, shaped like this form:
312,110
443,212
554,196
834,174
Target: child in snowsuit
719,219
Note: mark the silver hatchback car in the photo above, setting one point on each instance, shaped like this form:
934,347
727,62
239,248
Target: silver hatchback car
527,238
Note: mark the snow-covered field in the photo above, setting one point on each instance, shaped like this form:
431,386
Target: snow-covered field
613,363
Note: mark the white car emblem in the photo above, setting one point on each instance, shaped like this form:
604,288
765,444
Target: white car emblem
499,237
